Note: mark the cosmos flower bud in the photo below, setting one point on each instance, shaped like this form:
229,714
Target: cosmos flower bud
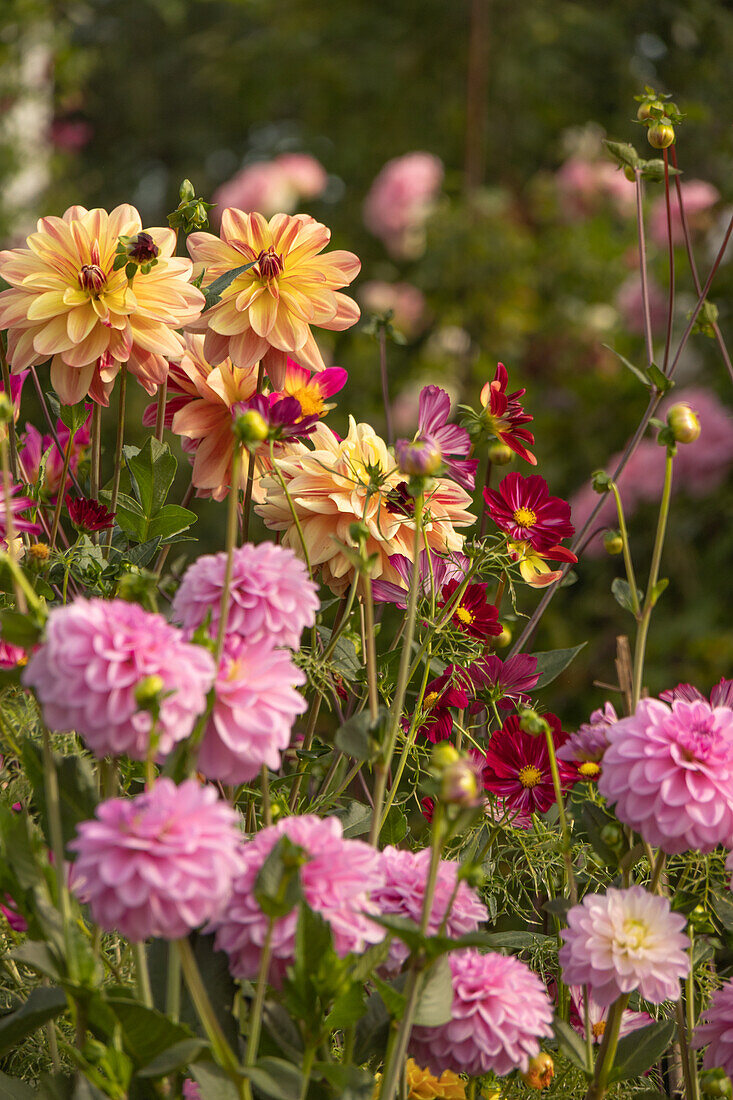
533,723
443,756
459,784
540,1071
251,428
420,457
500,454
684,422
600,481
612,542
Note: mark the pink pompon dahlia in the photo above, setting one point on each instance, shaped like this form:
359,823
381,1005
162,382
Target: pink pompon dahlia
517,767
624,940
97,655
400,200
504,415
256,704
716,1030
272,599
265,314
669,771
403,893
12,520
337,881
499,1013
159,864
523,507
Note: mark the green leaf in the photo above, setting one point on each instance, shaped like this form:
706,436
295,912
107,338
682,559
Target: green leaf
349,1082
629,366
276,1078
395,827
640,1050
552,662
372,1031
18,629
38,956
152,469
659,380
355,819
13,1089
43,1004
277,886
213,293
354,738
659,587
369,960
624,153
392,998
213,967
73,416
651,1094
435,995
174,1058
724,912
570,1043
169,521
77,788
621,591
146,1032
653,170
213,1082
348,1008
594,819
143,554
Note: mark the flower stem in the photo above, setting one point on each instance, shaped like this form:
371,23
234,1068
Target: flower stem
223,1053
51,426
160,410
12,440
307,742
296,521
173,984
53,806
118,448
142,974
61,490
11,556
567,843
670,253
607,1053
643,271
371,652
96,449
231,542
407,747
255,1019
628,564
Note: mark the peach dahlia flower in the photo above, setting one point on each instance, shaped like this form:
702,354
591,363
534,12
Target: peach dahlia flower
336,482
67,303
266,312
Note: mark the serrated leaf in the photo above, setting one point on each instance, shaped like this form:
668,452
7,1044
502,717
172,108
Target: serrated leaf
353,738
355,819
621,592
213,293
552,662
624,153
152,468
637,1052
170,520
395,827
43,1004
570,1043
74,416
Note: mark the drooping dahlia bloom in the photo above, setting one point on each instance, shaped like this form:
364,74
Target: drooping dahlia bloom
272,599
473,615
337,881
669,771
342,481
403,892
499,1013
265,314
720,696
95,657
517,767
523,507
624,940
400,200
89,515
586,747
453,441
598,1015
504,415
256,704
435,572
159,864
716,1030
13,516
506,683
67,301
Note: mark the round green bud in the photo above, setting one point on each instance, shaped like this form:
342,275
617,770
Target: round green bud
533,723
459,785
660,135
612,836
500,454
684,422
630,173
612,542
645,109
250,428
147,692
443,756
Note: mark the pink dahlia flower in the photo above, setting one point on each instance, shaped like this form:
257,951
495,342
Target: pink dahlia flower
95,657
720,696
624,940
403,893
273,185
15,520
669,770
400,200
272,597
160,864
337,881
256,704
500,1011
716,1030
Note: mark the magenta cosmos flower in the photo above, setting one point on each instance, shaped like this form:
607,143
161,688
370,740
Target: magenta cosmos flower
517,768
624,940
337,881
160,864
272,597
445,691
15,519
499,1013
504,415
255,706
403,893
669,770
453,442
95,657
435,572
523,507
716,1030
506,683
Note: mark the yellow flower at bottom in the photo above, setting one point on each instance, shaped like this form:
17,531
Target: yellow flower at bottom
422,1085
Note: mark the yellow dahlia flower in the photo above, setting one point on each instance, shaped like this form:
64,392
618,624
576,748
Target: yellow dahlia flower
423,1085
266,313
340,481
67,303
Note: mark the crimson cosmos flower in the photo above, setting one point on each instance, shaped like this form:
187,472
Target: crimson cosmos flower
507,683
504,415
523,508
473,615
517,767
445,691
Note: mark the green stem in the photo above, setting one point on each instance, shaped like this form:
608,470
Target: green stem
685,1028
249,486
567,843
119,442
11,556
96,451
649,599
371,652
160,411
223,1053
12,440
231,542
307,742
62,487
294,514
173,984
53,805
607,1053
628,564
407,747
142,974
255,1019
266,808
308,1059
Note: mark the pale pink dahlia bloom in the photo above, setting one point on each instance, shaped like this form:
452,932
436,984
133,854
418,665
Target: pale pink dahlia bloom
272,597
337,881
669,770
624,940
256,704
716,1030
160,864
403,892
500,1011
94,658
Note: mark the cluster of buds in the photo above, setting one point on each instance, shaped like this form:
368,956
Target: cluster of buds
138,253
456,776
659,117
191,212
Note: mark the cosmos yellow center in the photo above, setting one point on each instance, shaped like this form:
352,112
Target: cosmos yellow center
465,615
311,402
525,517
430,698
589,769
599,1029
530,776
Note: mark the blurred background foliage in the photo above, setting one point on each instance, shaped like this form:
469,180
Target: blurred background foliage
111,101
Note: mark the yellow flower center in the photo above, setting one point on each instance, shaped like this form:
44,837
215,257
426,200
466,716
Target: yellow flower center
589,769
634,936
465,615
269,264
530,776
525,517
598,1029
92,279
311,401
429,699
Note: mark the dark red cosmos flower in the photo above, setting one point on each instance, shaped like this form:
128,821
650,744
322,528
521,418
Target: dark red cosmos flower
89,515
507,683
517,767
504,415
523,508
473,615
450,689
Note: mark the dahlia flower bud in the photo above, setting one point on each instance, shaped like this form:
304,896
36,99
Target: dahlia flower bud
444,755
660,135
250,428
420,457
540,1071
600,481
500,454
647,107
612,542
684,423
459,784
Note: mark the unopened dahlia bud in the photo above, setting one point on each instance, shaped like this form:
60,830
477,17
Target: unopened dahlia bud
715,1082
612,542
647,107
684,422
420,457
459,785
186,191
533,723
540,1071
500,454
660,135
443,756
251,428
91,278
147,692
601,481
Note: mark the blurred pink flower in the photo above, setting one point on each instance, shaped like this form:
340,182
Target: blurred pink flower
400,200
624,940
598,1015
70,134
17,922
18,505
11,655
159,864
273,186
406,302
716,1030
500,1011
630,305
584,185
698,197
33,446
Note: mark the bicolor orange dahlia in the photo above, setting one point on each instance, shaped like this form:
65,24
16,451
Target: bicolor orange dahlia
341,481
266,312
67,302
